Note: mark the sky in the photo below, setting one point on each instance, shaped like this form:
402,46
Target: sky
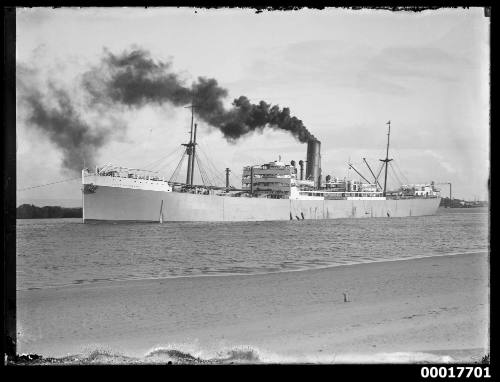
344,73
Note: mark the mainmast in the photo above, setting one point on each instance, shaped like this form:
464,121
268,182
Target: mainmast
190,148
386,160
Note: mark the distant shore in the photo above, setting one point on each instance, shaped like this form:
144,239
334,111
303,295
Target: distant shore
30,211
438,306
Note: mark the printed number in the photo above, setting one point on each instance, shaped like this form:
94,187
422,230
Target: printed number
443,372
470,369
487,372
451,370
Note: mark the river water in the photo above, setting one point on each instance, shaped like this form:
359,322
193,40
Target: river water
58,252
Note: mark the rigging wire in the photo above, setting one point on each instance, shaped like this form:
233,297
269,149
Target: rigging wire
162,163
160,160
397,168
210,162
394,172
166,168
213,170
176,171
401,173
207,175
125,153
217,173
211,166
48,184
213,180
201,172
204,178
196,159
397,174
380,169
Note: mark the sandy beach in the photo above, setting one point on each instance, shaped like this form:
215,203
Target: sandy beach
437,306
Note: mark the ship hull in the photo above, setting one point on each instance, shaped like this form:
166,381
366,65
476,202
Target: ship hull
125,204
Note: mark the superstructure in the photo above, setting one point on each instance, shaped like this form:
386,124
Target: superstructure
270,191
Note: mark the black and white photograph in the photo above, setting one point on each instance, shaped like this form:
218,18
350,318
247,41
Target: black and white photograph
252,186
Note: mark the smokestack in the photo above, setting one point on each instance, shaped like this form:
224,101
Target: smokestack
294,170
313,169
227,177
301,164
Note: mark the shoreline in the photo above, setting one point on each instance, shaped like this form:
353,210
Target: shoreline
126,280
431,304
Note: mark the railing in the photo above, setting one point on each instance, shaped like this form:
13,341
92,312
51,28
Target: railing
341,194
105,172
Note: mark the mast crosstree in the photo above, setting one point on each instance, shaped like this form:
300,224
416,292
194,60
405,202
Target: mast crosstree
191,152
191,148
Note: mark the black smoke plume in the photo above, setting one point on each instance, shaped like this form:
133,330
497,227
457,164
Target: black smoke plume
134,79
63,124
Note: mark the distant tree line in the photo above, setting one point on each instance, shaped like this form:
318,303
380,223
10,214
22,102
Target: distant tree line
458,203
29,211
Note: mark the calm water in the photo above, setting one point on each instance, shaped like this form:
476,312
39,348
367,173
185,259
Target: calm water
54,252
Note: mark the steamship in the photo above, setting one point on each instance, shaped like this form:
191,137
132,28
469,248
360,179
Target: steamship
270,191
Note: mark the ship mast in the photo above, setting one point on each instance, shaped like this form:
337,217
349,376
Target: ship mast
193,153
190,148
386,160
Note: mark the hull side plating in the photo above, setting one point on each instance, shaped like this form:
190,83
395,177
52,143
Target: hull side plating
124,204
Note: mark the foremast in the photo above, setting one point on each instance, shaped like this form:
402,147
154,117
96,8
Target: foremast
191,148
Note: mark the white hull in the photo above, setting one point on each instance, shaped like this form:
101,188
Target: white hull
126,204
